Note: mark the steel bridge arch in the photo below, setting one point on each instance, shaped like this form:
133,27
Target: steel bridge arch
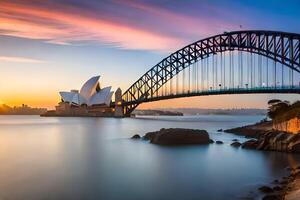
282,47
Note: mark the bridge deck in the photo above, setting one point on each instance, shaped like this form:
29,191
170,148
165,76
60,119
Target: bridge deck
258,90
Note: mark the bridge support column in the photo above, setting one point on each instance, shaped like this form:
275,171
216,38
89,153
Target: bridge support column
119,111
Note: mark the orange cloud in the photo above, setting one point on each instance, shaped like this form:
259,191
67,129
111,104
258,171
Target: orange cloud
67,27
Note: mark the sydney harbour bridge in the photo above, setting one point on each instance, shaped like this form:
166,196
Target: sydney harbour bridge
239,62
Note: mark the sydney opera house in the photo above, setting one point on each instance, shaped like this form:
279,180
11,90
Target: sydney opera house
90,100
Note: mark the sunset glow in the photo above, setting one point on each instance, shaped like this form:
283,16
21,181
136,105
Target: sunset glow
48,46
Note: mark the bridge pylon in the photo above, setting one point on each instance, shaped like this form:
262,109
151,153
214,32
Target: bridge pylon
119,111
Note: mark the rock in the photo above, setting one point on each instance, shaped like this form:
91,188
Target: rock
277,188
178,136
262,143
295,173
273,197
136,136
276,181
236,144
219,142
235,140
265,189
220,130
294,147
250,144
211,141
251,131
288,168
149,135
269,140
284,182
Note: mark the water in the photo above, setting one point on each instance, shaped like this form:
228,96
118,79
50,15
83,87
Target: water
92,158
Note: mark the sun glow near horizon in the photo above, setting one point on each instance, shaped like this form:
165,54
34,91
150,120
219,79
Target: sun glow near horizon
51,47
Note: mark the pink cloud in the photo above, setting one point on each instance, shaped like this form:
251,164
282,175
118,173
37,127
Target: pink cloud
200,26
70,26
20,60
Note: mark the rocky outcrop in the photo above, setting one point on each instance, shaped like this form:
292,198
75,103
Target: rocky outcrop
278,141
294,188
252,131
286,189
178,136
291,125
265,138
275,141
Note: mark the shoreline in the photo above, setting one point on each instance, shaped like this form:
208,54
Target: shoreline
252,130
293,185
259,133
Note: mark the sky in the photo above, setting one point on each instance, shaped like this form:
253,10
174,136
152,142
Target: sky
47,46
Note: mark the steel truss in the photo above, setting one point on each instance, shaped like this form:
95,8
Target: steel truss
281,47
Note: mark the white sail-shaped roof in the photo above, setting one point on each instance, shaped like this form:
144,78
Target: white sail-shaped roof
108,98
78,99
67,96
90,94
100,97
89,88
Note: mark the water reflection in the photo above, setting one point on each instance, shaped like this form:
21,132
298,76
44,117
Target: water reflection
92,158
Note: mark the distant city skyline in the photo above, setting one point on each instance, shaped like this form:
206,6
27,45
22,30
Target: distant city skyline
55,45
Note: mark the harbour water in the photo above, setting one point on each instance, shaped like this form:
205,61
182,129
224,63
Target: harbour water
93,158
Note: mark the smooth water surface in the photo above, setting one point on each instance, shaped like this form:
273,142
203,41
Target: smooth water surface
93,158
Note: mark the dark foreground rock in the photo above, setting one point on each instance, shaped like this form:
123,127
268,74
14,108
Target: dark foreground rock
178,136
277,188
287,189
275,141
250,144
236,144
149,135
265,189
219,142
136,136
278,141
273,197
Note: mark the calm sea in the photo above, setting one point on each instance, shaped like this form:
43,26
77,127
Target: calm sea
93,158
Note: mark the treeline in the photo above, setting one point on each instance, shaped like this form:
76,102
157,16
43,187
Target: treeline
283,110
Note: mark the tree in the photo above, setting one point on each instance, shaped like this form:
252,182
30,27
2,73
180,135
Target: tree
277,107
274,101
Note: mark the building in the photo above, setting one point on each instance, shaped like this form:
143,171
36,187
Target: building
90,100
21,110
